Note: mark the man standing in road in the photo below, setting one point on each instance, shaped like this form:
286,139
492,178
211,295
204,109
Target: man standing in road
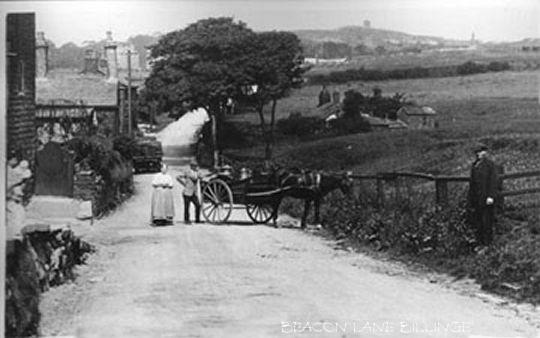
483,190
191,182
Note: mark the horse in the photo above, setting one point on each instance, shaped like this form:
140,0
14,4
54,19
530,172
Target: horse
311,187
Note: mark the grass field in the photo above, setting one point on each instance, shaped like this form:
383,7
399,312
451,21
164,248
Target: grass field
518,60
469,108
443,94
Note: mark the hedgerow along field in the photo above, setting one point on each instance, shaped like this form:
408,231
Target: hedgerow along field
517,59
500,109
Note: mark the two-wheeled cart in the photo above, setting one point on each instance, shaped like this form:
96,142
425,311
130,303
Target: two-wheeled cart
220,194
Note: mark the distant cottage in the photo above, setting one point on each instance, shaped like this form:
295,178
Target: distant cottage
416,117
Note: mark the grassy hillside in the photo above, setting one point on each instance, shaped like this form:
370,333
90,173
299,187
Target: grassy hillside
455,98
499,109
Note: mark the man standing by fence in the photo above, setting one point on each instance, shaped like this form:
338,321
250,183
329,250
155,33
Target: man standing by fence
482,193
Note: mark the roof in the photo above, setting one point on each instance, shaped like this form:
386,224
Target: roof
386,123
418,111
329,109
70,85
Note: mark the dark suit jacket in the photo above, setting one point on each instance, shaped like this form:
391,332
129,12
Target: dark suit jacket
484,182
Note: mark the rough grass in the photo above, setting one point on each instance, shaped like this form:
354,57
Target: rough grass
445,95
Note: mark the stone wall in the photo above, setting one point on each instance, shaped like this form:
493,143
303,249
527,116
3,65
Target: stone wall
43,257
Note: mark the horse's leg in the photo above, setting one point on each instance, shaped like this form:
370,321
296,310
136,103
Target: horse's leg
317,203
276,204
307,205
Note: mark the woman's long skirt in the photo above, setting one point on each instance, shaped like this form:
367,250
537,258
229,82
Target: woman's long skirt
162,204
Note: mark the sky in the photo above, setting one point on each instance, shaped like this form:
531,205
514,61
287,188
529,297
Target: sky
490,20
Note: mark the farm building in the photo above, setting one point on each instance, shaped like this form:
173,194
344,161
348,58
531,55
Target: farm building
416,117
94,98
21,70
377,123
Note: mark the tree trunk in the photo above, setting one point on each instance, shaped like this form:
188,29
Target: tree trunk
263,127
270,140
214,140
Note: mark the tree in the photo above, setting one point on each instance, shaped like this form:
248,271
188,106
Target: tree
274,68
203,63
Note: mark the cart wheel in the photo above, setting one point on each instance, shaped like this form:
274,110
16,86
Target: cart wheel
259,213
217,201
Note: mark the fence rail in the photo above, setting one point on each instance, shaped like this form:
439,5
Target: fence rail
441,183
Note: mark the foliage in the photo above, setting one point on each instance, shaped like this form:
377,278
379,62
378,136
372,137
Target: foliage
352,102
377,105
345,125
203,63
275,68
217,59
297,125
362,74
111,161
125,145
68,55
513,259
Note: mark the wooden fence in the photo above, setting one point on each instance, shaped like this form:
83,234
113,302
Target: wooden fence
441,184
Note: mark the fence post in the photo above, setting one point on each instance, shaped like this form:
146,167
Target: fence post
499,199
441,192
380,191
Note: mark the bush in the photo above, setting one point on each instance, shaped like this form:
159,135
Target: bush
344,125
297,125
513,259
362,74
442,238
111,161
125,146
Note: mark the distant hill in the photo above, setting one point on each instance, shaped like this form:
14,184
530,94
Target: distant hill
371,37
367,40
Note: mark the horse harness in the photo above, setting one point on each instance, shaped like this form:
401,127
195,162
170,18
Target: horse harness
311,180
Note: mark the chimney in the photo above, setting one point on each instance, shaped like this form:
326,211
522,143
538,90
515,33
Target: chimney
111,57
91,62
42,56
148,58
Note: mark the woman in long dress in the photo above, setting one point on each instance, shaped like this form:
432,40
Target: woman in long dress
162,198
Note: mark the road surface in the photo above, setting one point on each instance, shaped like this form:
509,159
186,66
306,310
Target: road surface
241,280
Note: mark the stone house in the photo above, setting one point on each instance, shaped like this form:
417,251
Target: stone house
416,117
94,98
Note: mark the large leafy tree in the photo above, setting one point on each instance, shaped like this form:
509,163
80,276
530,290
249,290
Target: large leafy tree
274,68
203,63
216,59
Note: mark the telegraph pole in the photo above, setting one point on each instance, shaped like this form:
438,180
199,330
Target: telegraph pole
130,121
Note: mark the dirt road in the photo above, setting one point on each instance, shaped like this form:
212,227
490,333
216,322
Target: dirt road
240,280
250,281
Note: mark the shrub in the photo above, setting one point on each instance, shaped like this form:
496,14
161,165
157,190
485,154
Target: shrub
471,68
344,125
125,146
361,74
299,125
